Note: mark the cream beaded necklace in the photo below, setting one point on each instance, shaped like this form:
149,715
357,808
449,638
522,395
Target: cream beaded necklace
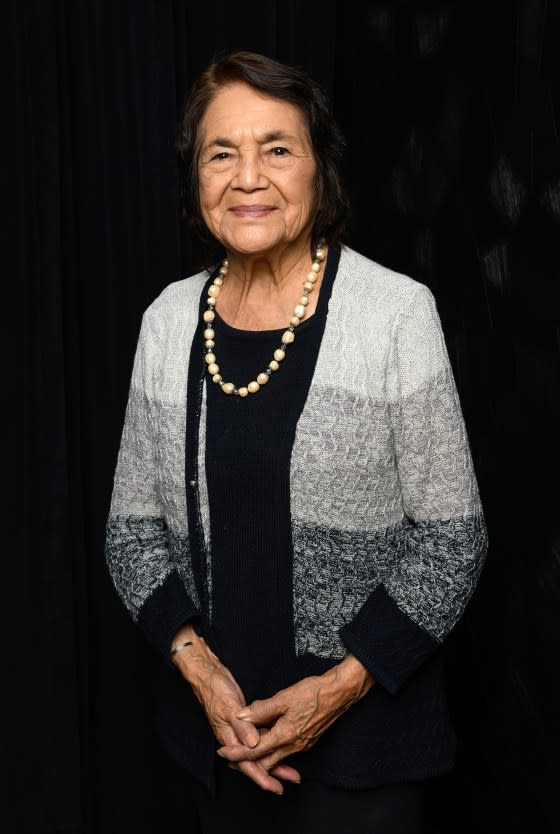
288,335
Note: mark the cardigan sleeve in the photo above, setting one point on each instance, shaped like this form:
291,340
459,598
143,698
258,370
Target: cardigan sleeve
443,533
137,539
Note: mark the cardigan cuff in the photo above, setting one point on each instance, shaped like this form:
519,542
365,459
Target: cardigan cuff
386,640
164,612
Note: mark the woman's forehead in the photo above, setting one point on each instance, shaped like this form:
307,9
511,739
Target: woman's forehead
237,110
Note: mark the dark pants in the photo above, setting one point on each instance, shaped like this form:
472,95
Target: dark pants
241,807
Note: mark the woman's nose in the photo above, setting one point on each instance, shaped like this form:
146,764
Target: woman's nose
249,174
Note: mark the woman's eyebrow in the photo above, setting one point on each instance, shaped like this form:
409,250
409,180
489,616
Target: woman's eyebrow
219,142
271,136
275,135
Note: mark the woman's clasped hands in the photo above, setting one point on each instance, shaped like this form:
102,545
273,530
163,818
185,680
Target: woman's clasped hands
293,719
256,738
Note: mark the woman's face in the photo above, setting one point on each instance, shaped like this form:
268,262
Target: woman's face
256,171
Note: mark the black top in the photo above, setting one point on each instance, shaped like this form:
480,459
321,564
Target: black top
247,458
248,451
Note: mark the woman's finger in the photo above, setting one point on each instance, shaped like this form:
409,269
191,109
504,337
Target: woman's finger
253,770
246,732
261,777
226,731
275,759
283,771
275,739
280,771
263,711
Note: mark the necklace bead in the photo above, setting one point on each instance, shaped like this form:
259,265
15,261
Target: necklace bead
288,336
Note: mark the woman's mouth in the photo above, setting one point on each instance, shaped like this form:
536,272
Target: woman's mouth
252,211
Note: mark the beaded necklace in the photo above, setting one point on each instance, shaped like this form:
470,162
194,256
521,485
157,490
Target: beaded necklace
288,336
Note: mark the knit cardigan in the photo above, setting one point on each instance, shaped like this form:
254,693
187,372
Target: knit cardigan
388,532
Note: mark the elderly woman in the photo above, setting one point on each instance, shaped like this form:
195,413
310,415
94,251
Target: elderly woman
295,522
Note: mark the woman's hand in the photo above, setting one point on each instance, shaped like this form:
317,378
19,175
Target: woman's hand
299,715
221,698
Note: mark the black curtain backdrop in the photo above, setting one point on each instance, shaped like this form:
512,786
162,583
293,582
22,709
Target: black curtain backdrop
451,111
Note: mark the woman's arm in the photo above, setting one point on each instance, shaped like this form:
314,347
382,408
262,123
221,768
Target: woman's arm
221,698
444,538
137,538
142,571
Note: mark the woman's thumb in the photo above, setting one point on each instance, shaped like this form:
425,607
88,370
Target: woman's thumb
260,712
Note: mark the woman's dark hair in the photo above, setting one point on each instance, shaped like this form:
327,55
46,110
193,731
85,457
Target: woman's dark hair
278,81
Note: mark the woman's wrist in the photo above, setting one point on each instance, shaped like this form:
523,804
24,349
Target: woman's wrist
190,659
350,679
184,633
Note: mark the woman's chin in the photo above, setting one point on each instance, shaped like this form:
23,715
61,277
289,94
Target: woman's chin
251,247
254,241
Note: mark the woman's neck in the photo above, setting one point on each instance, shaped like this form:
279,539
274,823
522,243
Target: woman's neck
261,291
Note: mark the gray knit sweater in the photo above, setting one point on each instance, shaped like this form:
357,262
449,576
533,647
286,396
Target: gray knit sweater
388,531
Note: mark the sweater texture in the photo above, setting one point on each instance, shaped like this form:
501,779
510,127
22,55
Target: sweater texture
336,510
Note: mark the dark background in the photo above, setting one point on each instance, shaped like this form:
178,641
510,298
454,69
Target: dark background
452,115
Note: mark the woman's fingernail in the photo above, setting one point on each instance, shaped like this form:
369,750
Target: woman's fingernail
219,752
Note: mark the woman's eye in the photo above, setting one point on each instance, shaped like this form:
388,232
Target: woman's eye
221,156
279,151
